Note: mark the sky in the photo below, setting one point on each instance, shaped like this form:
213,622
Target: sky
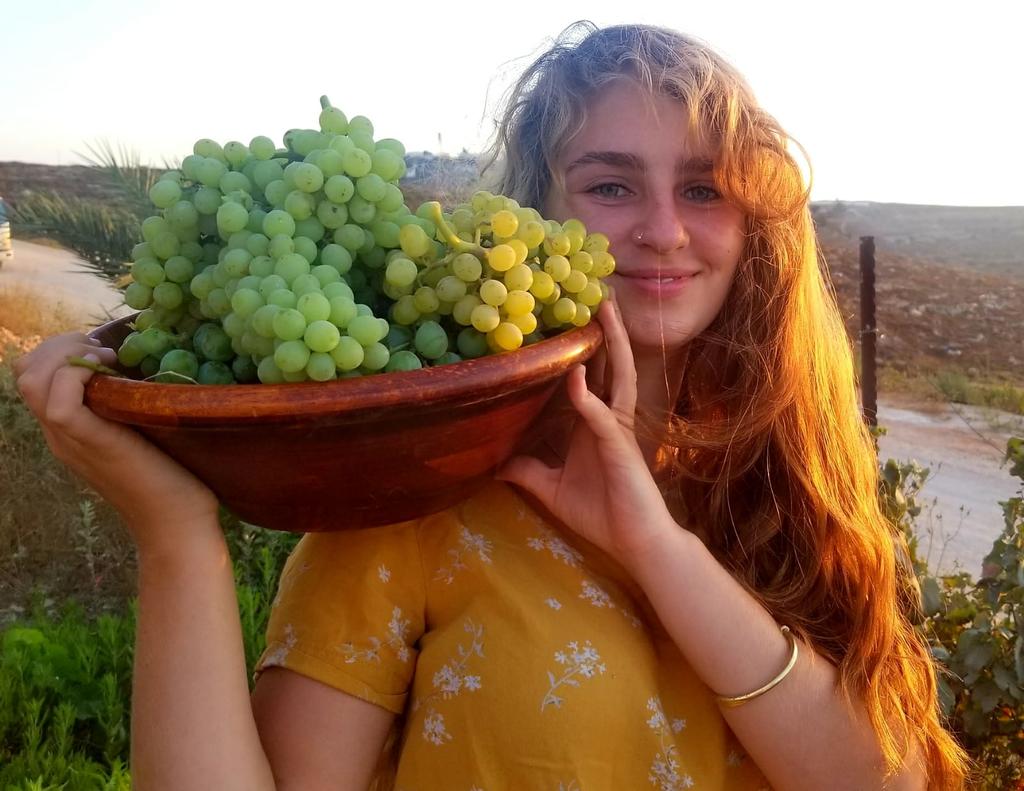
896,101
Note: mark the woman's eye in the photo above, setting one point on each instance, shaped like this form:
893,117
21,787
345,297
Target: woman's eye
701,193
608,190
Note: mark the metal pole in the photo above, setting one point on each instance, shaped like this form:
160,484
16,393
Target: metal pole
868,334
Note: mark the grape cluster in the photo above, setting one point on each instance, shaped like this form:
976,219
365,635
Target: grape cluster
280,265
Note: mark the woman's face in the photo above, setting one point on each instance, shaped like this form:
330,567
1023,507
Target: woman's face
632,174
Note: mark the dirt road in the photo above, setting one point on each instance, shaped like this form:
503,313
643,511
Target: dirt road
62,277
963,446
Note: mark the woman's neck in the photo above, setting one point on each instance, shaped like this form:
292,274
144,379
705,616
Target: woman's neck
659,378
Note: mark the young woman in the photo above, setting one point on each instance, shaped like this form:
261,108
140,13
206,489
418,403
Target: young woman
688,585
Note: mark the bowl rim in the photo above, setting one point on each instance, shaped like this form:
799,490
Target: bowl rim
131,400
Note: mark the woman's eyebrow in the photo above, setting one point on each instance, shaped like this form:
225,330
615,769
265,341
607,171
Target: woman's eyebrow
618,159
626,161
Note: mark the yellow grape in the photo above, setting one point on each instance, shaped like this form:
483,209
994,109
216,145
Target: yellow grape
531,233
564,310
575,282
581,261
558,244
520,277
604,263
519,302
558,267
504,223
582,316
485,318
501,257
527,322
493,292
426,300
508,336
463,309
543,284
595,243
591,294
522,251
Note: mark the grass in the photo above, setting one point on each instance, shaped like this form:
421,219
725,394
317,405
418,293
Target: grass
27,312
57,538
945,385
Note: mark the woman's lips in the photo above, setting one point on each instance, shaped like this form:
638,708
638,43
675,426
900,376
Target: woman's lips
656,284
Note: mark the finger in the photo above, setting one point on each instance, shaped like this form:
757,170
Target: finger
36,375
532,475
597,372
602,420
65,411
622,390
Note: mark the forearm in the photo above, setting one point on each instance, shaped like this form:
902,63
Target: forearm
192,722
800,733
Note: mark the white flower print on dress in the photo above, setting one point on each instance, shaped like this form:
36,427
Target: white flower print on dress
554,604
573,786
384,573
469,543
664,771
599,597
579,662
553,543
280,654
451,680
398,628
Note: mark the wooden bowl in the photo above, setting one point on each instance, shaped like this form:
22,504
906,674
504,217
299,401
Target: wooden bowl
350,453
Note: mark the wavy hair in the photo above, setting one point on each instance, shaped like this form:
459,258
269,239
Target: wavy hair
769,460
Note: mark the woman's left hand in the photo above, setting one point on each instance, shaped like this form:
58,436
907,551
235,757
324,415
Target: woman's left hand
604,490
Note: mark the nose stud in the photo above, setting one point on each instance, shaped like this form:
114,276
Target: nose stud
638,237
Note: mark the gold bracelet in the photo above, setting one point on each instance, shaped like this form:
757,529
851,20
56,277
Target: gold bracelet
739,700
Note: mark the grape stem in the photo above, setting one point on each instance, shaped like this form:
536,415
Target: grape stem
99,368
450,237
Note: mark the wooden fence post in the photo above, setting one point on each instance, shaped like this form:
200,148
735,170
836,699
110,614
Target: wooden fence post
868,333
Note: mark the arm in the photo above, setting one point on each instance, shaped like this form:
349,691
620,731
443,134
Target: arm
193,725
800,733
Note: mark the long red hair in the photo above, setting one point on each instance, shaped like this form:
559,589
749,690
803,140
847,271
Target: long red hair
769,459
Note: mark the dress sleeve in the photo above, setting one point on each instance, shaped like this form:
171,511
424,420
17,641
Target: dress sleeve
349,611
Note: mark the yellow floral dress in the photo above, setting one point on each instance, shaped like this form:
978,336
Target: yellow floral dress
525,657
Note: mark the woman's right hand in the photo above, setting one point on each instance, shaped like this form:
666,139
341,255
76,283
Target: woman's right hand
163,505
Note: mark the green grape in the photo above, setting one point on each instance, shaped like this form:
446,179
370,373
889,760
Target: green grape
398,338
364,329
314,306
263,320
291,356
321,367
290,266
403,361
331,215
262,148
271,283
405,311
401,272
182,214
386,163
330,163
351,237
138,296
360,210
463,309
321,336
363,142
471,343
431,340
339,289
219,302
325,274
131,353
165,194
299,205
268,372
244,369
166,245
148,272
450,289
333,120
210,171
305,284
311,228
278,222
177,365
168,295
531,233
339,189
233,181
234,326
385,234
257,244
371,187
357,162
280,246
236,263
348,354
245,302
276,192
447,359
205,147
232,217
337,257
283,298
289,324
306,247
392,145
201,285
414,241
467,267
375,356
393,200
189,164
214,373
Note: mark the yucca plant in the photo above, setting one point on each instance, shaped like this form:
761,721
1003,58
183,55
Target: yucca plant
101,232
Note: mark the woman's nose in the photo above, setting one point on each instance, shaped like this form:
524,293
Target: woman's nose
662,227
